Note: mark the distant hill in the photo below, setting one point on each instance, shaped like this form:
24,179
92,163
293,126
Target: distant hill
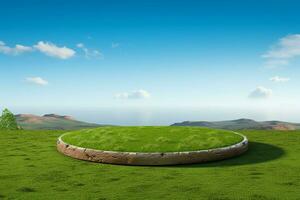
240,124
51,122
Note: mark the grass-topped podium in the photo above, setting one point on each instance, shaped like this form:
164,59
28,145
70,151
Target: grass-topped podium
152,145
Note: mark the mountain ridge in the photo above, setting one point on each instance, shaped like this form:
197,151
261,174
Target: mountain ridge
51,122
243,123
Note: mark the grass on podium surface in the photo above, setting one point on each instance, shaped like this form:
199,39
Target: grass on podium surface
152,138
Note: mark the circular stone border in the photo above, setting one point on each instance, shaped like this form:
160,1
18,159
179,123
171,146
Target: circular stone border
155,158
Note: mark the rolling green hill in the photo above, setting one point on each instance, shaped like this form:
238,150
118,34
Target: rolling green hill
241,124
51,122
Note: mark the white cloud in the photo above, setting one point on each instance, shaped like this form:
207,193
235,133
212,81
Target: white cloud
80,45
137,94
115,45
51,49
287,48
279,79
37,81
260,93
88,52
18,49
276,63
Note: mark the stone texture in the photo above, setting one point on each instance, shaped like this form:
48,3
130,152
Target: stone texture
137,158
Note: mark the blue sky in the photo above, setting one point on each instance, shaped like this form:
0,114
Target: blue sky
238,57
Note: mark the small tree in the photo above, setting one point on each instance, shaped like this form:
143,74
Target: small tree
8,120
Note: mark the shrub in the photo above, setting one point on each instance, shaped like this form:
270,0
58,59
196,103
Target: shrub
8,120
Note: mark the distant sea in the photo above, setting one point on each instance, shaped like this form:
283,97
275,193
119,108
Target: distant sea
163,116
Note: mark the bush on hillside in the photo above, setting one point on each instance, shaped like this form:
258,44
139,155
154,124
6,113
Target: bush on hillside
8,121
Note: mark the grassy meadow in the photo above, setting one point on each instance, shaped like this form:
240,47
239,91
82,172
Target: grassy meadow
151,138
31,168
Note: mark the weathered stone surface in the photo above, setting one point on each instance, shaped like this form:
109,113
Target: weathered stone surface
139,158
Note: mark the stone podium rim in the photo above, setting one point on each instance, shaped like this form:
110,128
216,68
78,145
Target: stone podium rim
152,158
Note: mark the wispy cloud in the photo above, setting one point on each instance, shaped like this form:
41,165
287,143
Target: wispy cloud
89,53
115,45
18,49
37,81
286,49
279,79
273,63
260,93
52,50
137,94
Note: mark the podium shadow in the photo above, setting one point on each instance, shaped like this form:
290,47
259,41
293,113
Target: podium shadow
257,153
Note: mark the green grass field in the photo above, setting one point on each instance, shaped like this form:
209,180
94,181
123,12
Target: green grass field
31,168
151,138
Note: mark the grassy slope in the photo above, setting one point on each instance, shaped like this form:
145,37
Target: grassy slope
152,139
31,168
55,124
